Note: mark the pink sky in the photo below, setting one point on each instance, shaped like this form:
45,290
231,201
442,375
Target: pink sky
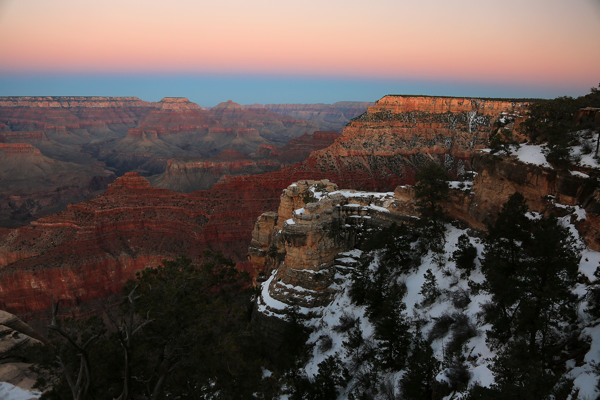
528,41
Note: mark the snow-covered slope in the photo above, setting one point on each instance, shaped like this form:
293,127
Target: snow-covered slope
459,305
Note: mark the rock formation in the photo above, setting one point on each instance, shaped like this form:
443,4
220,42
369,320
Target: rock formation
134,225
297,250
299,243
327,116
89,250
34,185
91,140
188,176
15,338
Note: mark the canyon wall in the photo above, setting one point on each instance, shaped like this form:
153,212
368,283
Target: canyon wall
327,116
85,142
298,251
88,250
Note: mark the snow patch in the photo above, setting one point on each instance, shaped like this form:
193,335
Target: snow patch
11,392
532,154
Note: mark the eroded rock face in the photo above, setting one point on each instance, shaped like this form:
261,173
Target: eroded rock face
89,250
15,338
187,176
546,191
383,147
83,143
296,248
34,185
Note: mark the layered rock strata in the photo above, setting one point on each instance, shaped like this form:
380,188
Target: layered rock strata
89,250
295,249
295,252
34,185
327,116
384,147
89,139
188,176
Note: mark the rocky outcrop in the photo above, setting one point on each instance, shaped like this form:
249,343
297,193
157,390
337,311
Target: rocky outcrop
399,134
296,252
187,176
296,248
298,149
177,104
546,190
16,337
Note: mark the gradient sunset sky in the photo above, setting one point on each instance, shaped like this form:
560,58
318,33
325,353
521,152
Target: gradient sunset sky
309,51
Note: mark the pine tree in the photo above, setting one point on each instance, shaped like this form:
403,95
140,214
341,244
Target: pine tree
531,268
419,380
503,257
429,289
431,188
465,255
594,297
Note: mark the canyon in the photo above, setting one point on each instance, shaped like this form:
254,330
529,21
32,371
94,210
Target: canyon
296,250
67,149
88,250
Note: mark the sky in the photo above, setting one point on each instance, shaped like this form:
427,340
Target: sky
310,51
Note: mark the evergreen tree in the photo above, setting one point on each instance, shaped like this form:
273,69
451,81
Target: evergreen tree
503,140
594,296
431,188
521,374
392,330
419,380
429,289
503,257
183,330
531,268
465,255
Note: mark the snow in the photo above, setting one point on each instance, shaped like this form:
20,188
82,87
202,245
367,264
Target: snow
265,299
585,378
579,174
532,154
590,260
576,211
346,260
11,392
378,208
266,373
477,351
356,253
300,211
290,222
351,193
460,185
295,288
587,145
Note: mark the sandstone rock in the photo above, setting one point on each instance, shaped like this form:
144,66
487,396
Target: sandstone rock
543,188
315,222
15,338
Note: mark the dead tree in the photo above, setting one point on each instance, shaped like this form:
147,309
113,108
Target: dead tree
79,381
